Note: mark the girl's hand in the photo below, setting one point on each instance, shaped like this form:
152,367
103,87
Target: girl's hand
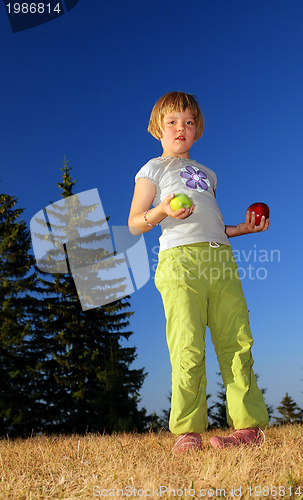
249,226
178,214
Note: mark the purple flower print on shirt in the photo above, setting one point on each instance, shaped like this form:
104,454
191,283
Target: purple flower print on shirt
193,178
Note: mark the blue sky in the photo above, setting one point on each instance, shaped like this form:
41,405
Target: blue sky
84,86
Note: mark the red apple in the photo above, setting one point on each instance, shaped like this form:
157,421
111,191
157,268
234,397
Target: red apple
259,209
180,201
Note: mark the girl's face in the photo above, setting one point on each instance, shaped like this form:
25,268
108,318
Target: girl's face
178,133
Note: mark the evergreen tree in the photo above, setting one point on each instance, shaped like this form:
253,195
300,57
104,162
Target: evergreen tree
83,378
164,418
17,281
289,410
218,417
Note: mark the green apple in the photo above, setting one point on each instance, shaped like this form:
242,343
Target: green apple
180,201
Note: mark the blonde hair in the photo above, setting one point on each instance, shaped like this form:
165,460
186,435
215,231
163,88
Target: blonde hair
175,101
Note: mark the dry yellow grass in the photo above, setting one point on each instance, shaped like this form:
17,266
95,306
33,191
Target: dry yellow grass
141,466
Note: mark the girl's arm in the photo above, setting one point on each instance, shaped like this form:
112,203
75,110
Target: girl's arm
144,194
247,227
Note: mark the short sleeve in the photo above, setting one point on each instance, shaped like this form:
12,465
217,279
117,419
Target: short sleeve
150,171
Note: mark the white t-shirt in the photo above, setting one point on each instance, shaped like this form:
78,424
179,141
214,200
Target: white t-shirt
179,175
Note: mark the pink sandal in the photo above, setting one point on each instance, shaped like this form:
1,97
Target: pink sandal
250,436
187,442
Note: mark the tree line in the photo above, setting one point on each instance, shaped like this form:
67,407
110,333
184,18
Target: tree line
288,409
63,369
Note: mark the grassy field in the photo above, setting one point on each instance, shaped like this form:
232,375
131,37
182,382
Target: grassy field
141,466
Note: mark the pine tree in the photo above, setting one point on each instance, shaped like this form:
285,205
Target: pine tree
289,410
17,278
219,418
164,418
83,376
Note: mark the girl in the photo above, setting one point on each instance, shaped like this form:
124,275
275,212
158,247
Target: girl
198,280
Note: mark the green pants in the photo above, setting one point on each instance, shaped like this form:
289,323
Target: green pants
200,287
